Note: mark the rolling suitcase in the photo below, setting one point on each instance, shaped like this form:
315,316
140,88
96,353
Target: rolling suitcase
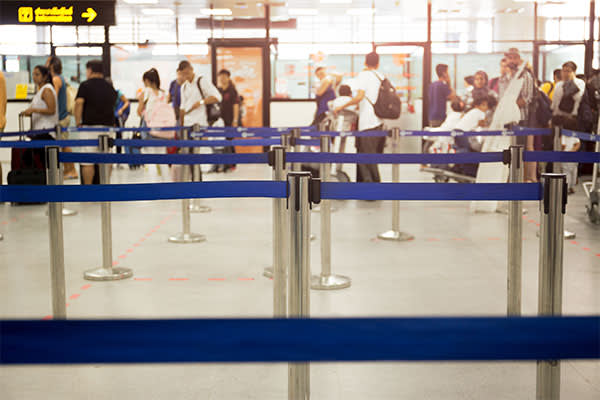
27,165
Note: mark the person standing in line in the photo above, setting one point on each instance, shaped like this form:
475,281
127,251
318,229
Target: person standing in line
94,107
570,169
549,87
197,92
174,96
567,97
3,98
440,92
151,95
495,82
325,92
64,118
230,109
43,109
367,91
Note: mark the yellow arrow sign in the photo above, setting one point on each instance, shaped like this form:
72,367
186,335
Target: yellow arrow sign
90,14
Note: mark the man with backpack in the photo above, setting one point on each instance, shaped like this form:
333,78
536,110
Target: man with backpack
376,99
567,97
199,98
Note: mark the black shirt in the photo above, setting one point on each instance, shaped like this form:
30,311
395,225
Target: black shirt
99,101
230,98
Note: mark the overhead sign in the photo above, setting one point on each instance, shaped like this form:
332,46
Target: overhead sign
100,12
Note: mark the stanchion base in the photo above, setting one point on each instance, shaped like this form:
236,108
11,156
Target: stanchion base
198,208
187,238
1,237
396,236
312,237
268,272
103,274
66,212
567,235
331,282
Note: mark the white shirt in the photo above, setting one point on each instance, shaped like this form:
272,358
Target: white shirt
190,95
450,122
569,142
339,102
558,94
369,82
470,121
43,121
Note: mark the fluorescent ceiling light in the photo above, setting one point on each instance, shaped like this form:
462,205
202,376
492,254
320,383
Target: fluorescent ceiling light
216,11
157,11
360,11
303,11
141,1
336,1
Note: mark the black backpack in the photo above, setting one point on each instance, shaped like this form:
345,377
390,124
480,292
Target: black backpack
585,113
213,111
388,104
543,108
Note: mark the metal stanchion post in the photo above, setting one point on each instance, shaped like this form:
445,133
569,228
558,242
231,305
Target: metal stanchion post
186,236
395,233
106,272
65,211
57,247
299,273
515,236
552,210
327,281
280,238
557,167
295,135
195,205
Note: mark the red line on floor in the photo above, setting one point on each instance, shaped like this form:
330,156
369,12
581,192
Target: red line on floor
598,255
148,234
216,279
123,256
432,240
137,244
179,279
574,242
67,305
142,279
47,317
4,222
143,239
586,249
130,250
85,287
458,239
115,263
74,296
245,279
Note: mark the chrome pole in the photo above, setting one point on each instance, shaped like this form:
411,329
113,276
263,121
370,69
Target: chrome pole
552,210
557,168
106,272
196,206
395,234
279,270
299,273
327,281
66,212
515,236
57,246
295,136
186,236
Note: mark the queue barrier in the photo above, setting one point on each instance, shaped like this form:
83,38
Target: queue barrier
299,340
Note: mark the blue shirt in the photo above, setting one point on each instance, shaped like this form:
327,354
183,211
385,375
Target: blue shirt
325,98
175,92
62,100
438,96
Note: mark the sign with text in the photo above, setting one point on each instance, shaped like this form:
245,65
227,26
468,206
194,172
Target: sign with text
100,12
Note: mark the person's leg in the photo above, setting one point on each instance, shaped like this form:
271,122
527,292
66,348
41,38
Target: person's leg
530,167
87,174
361,169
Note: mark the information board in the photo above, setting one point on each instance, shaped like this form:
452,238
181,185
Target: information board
85,13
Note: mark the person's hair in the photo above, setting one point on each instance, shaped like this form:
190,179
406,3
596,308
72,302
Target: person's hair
557,72
319,69
185,64
470,80
96,66
45,71
225,72
441,69
345,90
372,59
570,64
580,76
490,100
152,76
457,105
485,76
55,65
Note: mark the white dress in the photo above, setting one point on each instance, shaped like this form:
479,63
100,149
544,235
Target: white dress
507,112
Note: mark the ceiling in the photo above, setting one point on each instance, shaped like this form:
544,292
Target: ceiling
405,8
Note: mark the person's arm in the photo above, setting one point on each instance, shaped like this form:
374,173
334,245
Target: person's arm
577,146
2,101
141,103
325,84
50,101
360,95
57,83
213,95
78,110
125,101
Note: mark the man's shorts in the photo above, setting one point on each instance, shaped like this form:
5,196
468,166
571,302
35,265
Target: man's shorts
93,136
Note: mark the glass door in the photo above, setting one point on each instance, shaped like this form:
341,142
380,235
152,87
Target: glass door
74,59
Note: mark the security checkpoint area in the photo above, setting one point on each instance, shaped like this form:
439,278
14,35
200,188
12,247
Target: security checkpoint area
258,260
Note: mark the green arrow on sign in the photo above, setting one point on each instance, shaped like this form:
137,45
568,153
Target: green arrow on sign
90,14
